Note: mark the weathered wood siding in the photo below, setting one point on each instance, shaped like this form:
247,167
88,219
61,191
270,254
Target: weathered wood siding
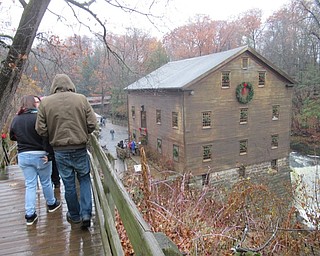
167,102
226,130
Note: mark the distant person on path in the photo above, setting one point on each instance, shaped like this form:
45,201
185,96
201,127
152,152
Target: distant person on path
33,158
112,134
67,119
133,147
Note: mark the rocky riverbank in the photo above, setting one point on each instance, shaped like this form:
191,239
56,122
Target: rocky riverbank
305,145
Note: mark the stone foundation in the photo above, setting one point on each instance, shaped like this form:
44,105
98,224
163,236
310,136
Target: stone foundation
276,179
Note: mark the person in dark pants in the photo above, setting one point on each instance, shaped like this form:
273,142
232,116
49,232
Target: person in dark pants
55,177
67,119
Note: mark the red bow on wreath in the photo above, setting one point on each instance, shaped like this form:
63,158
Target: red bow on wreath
244,89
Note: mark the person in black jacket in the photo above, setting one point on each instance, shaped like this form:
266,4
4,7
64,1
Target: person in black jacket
33,159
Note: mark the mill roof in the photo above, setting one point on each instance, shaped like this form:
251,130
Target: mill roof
179,74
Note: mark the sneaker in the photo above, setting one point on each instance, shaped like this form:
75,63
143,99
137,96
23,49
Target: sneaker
71,220
55,206
32,219
85,223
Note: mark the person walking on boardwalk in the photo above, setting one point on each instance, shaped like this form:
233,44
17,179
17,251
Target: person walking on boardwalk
33,158
67,119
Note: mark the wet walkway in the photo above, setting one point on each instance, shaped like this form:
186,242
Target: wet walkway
121,133
51,235
106,140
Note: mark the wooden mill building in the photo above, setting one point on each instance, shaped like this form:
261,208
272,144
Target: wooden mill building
220,112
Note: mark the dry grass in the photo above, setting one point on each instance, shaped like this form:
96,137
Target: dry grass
213,221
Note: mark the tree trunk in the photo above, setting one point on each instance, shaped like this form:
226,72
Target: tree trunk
12,67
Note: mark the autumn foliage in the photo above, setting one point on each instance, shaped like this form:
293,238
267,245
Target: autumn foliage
246,220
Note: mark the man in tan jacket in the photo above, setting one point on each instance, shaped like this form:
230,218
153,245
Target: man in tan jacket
67,119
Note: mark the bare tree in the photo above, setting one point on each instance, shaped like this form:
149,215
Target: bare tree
12,67
313,11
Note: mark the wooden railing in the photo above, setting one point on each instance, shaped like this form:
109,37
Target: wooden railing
8,153
110,194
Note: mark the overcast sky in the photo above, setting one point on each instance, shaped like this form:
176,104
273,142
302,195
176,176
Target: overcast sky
173,13
221,9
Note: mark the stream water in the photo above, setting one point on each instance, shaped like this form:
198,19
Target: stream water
305,176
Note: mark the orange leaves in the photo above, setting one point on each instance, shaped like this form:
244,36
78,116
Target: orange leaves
127,247
16,60
211,221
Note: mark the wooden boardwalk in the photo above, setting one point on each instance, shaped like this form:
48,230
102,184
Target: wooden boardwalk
51,235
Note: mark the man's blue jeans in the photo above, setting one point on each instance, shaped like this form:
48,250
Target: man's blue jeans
72,163
33,165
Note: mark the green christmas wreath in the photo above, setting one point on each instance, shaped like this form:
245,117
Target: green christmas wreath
244,92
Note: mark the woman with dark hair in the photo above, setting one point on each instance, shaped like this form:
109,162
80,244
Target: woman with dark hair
33,158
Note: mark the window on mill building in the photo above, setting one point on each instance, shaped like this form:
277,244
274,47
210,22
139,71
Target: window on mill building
206,119
243,147
225,79
174,119
158,116
262,78
207,153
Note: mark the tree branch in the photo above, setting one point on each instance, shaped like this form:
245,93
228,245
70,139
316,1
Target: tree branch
95,16
238,247
23,3
313,15
12,67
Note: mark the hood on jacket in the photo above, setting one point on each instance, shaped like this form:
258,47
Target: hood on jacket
62,83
